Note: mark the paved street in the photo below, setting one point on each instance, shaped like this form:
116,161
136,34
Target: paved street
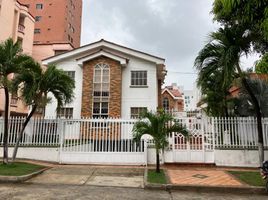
47,192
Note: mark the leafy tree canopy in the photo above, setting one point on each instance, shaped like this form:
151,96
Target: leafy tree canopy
251,15
262,65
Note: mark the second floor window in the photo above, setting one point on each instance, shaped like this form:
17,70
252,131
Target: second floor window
71,74
139,78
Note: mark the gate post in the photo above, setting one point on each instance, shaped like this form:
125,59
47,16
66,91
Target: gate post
61,137
203,121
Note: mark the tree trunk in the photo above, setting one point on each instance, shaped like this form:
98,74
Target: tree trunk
157,161
259,120
258,114
21,133
5,142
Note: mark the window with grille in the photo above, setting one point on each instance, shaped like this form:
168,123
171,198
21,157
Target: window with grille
136,111
166,104
65,113
71,74
101,90
138,78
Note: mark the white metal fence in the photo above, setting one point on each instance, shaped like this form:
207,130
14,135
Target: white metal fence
115,135
238,132
39,131
99,135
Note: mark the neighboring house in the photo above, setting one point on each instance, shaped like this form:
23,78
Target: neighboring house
57,26
235,90
172,99
111,81
17,23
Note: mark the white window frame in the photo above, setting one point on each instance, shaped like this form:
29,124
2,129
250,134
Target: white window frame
62,113
136,76
166,104
101,99
140,110
71,74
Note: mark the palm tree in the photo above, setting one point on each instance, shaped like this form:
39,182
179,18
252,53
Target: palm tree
11,59
223,53
158,125
245,106
214,93
34,84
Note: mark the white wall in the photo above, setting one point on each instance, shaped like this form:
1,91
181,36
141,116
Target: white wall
35,153
131,97
69,65
138,97
238,158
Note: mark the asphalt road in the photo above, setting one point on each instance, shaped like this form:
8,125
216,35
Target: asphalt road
47,191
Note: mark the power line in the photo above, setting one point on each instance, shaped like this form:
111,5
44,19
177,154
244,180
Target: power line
181,72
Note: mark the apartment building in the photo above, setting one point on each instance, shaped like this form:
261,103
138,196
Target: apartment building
57,26
17,23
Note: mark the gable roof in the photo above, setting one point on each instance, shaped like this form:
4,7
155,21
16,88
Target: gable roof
104,44
175,94
123,61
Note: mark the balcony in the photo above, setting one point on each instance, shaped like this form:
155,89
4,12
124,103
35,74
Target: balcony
21,28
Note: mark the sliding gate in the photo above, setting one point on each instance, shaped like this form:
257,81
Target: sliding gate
100,141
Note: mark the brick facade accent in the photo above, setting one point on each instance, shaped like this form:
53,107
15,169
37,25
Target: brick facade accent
115,86
173,103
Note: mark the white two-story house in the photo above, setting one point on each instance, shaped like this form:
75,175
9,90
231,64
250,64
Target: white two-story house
110,81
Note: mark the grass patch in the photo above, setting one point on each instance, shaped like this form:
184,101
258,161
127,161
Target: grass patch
251,178
154,177
18,169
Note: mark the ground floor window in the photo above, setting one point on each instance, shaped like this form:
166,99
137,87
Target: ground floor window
65,113
136,111
100,109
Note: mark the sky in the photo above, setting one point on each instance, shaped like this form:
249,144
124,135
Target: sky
172,29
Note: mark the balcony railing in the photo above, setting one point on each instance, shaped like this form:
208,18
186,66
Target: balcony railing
21,28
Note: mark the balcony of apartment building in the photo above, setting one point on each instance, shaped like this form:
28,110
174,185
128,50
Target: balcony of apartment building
21,27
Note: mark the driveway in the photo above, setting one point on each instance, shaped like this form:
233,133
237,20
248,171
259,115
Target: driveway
91,175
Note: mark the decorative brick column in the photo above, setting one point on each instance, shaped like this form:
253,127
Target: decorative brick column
115,87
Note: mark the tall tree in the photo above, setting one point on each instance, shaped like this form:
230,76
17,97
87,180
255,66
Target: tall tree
250,15
262,65
230,43
157,125
214,93
11,60
245,106
34,84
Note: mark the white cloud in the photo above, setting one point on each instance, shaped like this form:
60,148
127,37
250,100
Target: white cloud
173,29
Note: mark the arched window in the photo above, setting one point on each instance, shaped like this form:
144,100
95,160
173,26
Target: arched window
165,104
101,90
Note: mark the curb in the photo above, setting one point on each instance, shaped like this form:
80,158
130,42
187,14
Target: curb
202,188
20,179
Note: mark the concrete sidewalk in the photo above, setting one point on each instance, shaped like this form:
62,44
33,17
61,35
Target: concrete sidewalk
91,175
